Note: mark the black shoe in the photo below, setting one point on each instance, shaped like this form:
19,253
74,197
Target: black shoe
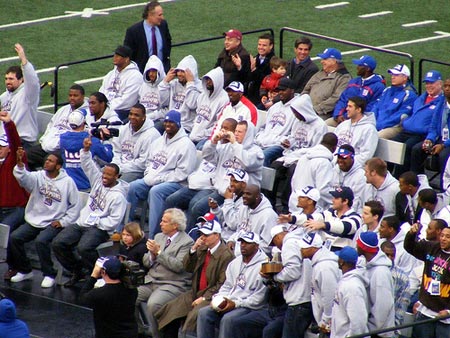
76,278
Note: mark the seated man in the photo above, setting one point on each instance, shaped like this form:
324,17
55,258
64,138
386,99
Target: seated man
257,216
278,123
149,95
228,149
417,126
99,218
166,278
71,143
207,260
326,86
242,292
395,103
367,85
180,89
234,58
170,161
100,112
53,206
358,130
132,147
339,223
121,85
383,186
49,142
437,140
209,104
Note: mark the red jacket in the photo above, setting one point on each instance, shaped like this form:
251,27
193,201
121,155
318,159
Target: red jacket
269,83
11,193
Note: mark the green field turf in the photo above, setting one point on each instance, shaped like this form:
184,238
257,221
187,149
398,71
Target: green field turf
54,42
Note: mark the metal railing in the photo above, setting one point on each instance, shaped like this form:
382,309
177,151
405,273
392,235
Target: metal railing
404,326
349,43
57,68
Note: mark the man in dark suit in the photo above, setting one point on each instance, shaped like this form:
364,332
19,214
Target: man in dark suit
207,260
144,35
166,277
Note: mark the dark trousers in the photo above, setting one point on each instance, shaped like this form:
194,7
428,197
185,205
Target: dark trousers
410,140
17,257
85,240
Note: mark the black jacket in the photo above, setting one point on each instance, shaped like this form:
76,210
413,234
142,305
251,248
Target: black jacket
136,40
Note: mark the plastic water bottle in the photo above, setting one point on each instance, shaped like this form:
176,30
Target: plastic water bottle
445,134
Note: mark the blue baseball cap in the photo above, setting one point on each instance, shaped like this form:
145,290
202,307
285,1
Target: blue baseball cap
348,254
366,61
343,192
432,76
331,53
174,116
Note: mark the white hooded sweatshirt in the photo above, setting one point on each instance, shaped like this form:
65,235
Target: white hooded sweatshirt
122,88
182,98
209,105
314,169
106,206
386,194
131,148
170,160
304,134
149,95
247,156
362,136
278,125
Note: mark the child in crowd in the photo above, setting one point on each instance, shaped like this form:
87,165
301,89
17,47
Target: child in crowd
267,91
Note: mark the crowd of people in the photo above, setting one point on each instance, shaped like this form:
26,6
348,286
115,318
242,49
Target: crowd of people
361,241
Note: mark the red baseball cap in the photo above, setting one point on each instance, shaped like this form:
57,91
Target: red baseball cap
233,33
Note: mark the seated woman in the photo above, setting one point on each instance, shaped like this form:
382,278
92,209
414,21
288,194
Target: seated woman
133,243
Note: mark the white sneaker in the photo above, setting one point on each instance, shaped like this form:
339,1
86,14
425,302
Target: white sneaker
21,277
47,282
99,283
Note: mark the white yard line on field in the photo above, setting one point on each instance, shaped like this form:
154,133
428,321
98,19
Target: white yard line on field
371,15
336,4
419,23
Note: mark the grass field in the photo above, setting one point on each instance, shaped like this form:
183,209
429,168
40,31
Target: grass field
52,42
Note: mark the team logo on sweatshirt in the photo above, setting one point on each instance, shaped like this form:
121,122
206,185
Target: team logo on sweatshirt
345,137
158,160
63,124
114,86
127,150
150,101
178,100
301,139
278,118
6,105
50,193
203,113
98,199
232,163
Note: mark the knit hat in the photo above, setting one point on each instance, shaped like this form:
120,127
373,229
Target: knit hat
174,116
368,242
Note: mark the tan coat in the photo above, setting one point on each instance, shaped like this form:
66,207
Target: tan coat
215,273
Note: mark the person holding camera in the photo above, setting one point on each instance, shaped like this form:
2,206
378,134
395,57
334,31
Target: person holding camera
112,304
71,143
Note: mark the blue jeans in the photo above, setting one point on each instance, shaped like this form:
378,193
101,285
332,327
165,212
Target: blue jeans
85,240
195,201
297,320
17,257
430,330
208,320
271,154
13,217
156,198
258,323
200,144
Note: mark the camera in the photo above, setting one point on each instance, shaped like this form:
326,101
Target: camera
132,275
96,129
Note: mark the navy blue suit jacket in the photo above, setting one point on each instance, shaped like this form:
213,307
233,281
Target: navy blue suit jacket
136,40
